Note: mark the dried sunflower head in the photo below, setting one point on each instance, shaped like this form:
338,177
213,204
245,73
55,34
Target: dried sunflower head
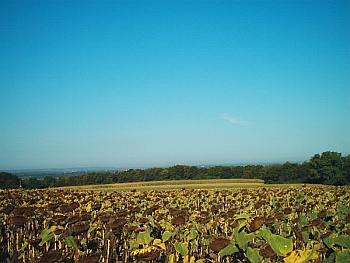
256,223
266,251
270,220
179,220
117,223
147,254
80,227
19,221
322,214
279,216
347,218
7,209
58,218
89,259
316,222
144,219
218,243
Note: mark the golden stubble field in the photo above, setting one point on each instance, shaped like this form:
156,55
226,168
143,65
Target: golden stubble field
176,184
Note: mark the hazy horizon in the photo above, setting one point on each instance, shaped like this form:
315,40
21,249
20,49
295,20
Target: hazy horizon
100,168
111,168
159,83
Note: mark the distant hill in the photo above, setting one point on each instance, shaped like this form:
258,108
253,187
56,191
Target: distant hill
57,172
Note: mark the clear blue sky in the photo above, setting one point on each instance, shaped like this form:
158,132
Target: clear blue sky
158,83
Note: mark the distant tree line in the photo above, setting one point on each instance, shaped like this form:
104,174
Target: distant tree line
328,168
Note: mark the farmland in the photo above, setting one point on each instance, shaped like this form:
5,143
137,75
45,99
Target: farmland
190,222
174,184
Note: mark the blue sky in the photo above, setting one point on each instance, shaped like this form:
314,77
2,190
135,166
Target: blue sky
158,83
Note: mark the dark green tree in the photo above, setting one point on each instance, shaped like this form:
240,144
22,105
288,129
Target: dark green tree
176,172
326,168
237,171
346,168
9,180
288,172
49,181
271,173
190,172
32,183
224,172
302,173
253,172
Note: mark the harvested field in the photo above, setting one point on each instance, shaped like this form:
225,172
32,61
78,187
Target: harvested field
179,184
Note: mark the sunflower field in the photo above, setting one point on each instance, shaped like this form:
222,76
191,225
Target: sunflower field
293,224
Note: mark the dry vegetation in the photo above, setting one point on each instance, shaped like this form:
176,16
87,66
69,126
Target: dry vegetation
175,184
277,224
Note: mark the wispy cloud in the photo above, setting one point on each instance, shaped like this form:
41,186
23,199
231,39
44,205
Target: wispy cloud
230,118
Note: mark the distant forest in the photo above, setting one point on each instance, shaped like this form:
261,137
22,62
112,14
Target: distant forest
326,168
